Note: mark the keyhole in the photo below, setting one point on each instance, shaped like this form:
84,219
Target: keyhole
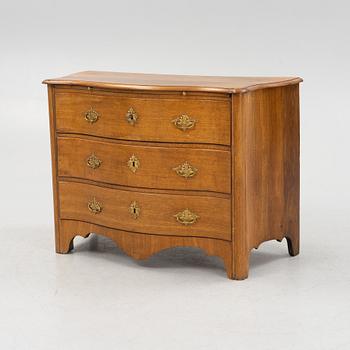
133,163
134,210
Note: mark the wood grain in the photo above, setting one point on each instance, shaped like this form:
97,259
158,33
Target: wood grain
54,167
164,82
245,145
141,246
155,116
266,171
156,164
157,211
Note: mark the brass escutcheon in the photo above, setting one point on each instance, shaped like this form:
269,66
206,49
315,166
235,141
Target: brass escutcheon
93,162
91,116
184,122
131,116
186,217
133,163
186,170
134,210
94,206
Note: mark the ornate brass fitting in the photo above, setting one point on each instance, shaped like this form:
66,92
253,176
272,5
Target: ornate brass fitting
94,206
184,122
134,210
93,162
131,116
91,116
186,170
186,217
133,163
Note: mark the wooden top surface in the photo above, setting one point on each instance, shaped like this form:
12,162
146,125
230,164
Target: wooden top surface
163,82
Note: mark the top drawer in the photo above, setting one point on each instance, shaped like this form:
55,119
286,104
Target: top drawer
144,117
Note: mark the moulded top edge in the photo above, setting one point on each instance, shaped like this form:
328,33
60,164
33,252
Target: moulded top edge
163,82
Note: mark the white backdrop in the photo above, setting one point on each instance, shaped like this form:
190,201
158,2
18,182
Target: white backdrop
46,38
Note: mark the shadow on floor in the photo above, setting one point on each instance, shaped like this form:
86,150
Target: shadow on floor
178,256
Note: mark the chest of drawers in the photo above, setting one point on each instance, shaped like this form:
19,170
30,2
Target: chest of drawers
157,161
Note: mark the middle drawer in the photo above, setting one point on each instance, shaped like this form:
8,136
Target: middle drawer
176,168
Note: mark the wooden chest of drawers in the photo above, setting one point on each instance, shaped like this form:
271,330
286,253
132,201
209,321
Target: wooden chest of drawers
156,161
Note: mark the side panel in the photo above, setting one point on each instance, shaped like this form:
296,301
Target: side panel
51,96
266,171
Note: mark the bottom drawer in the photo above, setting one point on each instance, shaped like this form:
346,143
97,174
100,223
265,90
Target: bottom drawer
144,212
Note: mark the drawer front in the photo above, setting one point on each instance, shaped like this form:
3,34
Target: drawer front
153,213
166,118
144,166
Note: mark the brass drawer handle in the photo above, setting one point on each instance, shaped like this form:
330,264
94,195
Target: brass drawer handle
94,206
93,162
134,210
133,163
131,116
184,122
91,116
186,217
186,170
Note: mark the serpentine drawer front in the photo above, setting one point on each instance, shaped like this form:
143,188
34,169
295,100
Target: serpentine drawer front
145,212
157,161
164,167
145,117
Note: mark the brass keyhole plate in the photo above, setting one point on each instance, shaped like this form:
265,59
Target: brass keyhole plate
131,116
133,163
134,210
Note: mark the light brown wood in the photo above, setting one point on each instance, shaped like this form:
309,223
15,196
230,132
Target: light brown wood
156,211
54,167
164,82
156,168
245,146
155,116
266,171
141,246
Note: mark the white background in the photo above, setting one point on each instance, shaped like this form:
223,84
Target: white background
286,303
